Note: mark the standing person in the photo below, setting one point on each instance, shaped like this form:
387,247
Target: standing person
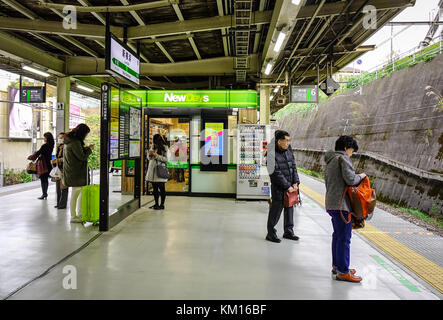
284,177
62,190
75,165
338,176
157,154
45,154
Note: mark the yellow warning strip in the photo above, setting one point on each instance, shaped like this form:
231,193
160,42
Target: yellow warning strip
424,268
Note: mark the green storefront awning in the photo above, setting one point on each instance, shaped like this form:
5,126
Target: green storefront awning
197,98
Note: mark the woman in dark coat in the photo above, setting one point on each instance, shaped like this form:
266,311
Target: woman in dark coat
75,165
45,154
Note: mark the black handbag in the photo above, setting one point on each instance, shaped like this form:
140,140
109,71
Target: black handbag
162,170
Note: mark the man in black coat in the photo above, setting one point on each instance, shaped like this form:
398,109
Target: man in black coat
284,177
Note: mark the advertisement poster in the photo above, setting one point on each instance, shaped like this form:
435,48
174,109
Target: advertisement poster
20,117
213,139
113,139
135,123
76,116
134,149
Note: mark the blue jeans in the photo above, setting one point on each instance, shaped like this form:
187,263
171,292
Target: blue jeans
341,240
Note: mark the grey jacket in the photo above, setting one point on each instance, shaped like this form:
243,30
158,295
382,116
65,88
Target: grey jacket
337,179
151,175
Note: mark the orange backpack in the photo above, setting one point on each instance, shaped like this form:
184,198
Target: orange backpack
363,202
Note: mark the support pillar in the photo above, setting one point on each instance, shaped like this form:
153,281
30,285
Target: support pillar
63,89
265,106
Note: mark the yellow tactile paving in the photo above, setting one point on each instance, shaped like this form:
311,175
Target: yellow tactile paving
423,267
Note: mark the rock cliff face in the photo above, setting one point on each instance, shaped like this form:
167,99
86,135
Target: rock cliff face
395,122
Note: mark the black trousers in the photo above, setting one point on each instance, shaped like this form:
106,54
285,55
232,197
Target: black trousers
274,216
159,190
62,195
44,183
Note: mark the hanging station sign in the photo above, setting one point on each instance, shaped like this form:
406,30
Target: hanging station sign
121,60
304,94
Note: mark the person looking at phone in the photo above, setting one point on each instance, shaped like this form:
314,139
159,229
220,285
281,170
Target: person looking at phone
75,165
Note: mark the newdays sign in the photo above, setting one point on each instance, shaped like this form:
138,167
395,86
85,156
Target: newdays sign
171,97
198,98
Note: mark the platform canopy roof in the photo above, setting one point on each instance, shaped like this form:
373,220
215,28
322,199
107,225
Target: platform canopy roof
191,44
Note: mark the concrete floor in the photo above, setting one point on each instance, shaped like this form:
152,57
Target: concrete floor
198,248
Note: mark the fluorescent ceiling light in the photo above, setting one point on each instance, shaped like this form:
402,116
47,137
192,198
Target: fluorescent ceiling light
296,2
36,71
85,88
268,69
279,42
272,97
276,89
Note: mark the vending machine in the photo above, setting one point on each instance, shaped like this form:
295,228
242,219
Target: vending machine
253,181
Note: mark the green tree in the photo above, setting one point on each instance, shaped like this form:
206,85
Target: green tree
93,121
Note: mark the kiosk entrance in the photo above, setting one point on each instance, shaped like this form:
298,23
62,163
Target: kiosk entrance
200,128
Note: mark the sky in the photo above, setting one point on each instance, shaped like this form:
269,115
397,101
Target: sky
405,41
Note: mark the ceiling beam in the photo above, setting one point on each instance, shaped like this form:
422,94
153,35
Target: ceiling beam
334,8
134,7
259,28
160,84
191,40
31,15
137,32
339,49
82,66
194,25
142,23
223,30
283,20
166,39
23,51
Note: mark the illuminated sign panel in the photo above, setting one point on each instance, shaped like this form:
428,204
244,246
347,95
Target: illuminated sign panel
122,61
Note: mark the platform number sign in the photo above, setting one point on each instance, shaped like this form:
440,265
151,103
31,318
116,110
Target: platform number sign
32,94
304,94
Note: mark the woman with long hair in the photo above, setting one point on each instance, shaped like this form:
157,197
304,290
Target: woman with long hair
45,154
75,165
158,154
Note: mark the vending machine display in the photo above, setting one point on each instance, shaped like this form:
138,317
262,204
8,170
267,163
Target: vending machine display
253,181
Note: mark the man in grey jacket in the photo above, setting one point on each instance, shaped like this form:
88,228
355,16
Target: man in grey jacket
340,174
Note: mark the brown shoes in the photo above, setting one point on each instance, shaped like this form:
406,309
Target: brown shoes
348,277
334,271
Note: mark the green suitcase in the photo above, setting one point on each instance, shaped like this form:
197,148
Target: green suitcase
91,203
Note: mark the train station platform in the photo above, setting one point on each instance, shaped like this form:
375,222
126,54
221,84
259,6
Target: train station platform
197,248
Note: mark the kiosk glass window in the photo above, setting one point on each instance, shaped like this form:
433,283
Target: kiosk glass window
177,133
